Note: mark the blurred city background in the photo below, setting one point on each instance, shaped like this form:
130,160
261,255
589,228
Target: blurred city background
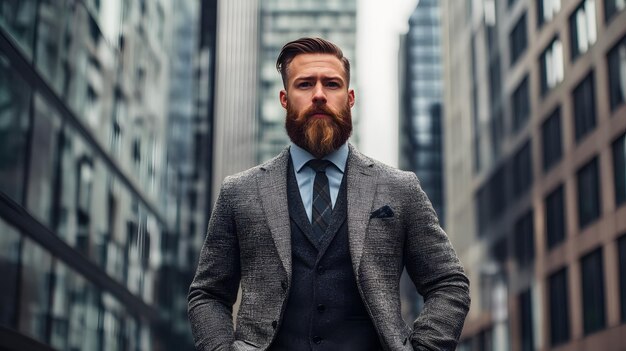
119,120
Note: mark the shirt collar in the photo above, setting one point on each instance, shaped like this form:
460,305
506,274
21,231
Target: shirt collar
300,157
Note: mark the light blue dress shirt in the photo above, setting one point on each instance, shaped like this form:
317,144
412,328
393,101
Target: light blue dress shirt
305,175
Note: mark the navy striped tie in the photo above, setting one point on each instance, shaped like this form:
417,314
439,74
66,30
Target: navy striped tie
322,205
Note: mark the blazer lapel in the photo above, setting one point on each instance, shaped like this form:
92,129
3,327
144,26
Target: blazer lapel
273,191
362,180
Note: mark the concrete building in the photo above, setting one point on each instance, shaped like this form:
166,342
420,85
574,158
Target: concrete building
235,126
281,22
535,125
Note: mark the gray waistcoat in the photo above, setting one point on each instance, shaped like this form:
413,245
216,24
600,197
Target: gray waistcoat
324,310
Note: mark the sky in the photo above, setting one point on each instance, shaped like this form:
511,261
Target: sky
379,26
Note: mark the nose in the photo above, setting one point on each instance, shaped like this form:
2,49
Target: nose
319,96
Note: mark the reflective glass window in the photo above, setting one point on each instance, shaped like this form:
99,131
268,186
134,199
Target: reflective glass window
18,19
583,29
612,8
551,62
621,246
592,287
521,104
45,148
555,217
522,170
15,97
54,40
584,107
526,321
546,10
588,193
617,74
559,307
524,239
619,169
518,39
34,290
551,138
9,260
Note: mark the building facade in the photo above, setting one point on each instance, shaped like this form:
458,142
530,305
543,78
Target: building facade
84,202
235,125
421,121
281,22
535,125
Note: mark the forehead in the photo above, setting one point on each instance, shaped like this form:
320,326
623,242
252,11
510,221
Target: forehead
315,64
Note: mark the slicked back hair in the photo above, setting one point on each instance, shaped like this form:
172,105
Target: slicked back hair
309,46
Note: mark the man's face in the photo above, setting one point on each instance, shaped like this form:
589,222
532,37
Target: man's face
318,103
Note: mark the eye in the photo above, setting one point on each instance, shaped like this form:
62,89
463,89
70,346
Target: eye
303,84
333,84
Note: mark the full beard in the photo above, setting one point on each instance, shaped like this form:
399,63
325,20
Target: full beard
319,136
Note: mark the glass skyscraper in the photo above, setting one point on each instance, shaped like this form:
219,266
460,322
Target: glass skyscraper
421,133
87,253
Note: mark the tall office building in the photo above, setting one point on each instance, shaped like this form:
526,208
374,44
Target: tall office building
235,125
84,235
281,22
535,169
421,134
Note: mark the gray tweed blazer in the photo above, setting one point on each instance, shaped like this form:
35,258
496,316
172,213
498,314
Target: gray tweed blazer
249,243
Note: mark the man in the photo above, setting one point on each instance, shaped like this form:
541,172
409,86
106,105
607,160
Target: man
318,237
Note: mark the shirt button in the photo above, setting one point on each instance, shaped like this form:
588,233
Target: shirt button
283,284
274,324
321,308
317,339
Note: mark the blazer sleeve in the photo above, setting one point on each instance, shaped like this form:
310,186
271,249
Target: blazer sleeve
438,275
213,290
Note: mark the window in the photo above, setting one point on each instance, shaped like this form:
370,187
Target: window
555,217
584,107
592,285
551,138
621,247
551,66
612,7
546,10
582,27
34,302
524,240
15,96
559,308
588,193
518,40
526,320
617,74
521,104
9,268
522,170
619,169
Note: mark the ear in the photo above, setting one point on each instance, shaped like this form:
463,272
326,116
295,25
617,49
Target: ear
351,97
283,98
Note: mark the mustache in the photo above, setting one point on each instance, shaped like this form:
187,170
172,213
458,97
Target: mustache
319,109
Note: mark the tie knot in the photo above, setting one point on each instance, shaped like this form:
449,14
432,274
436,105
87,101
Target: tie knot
319,165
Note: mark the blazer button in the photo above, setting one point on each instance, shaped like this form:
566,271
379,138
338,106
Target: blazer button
321,308
274,324
317,339
321,270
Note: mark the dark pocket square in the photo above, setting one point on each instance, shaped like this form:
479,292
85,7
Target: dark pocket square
383,212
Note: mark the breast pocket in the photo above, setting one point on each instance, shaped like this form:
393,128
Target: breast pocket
244,345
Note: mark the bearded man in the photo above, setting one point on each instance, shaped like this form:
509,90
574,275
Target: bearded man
318,237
